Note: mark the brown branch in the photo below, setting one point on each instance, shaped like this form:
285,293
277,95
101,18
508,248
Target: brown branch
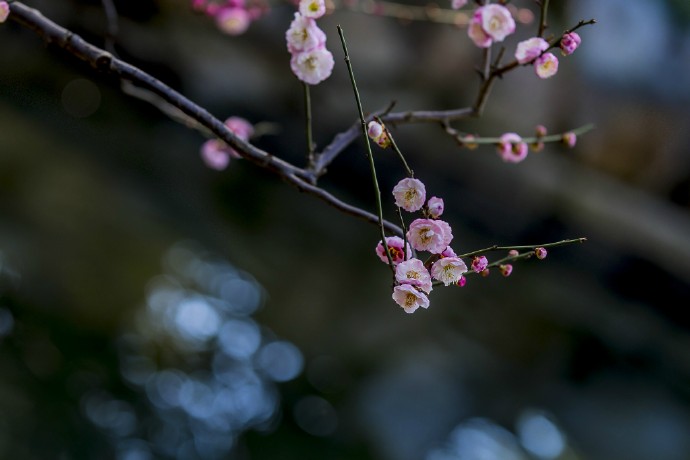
105,62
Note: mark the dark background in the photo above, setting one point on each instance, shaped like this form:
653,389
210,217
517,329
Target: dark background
153,308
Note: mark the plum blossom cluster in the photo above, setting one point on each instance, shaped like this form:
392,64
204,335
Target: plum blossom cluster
534,50
232,17
310,61
414,278
216,154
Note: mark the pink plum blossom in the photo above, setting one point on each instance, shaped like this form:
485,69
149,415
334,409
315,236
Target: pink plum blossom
415,273
569,43
4,11
233,20
497,22
429,235
304,35
410,194
457,4
435,207
476,32
312,8
546,65
530,49
540,253
506,269
479,264
395,248
448,270
409,298
314,66
511,148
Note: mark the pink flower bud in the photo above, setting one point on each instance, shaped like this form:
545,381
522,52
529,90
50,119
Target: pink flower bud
457,4
511,148
540,130
540,253
435,206
479,264
462,281
569,43
506,269
570,139
378,133
513,253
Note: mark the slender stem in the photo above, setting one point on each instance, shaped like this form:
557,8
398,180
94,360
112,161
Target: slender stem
409,171
404,229
542,17
518,247
368,146
495,140
310,141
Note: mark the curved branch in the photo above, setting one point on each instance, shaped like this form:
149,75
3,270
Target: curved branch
104,61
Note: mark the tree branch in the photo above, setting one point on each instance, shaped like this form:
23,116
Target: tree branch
105,62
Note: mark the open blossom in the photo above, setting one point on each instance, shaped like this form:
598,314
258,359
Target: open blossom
415,273
448,270
457,4
409,298
395,248
314,66
435,207
429,235
546,65
479,264
4,11
530,49
569,43
312,8
410,194
497,21
304,35
512,149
